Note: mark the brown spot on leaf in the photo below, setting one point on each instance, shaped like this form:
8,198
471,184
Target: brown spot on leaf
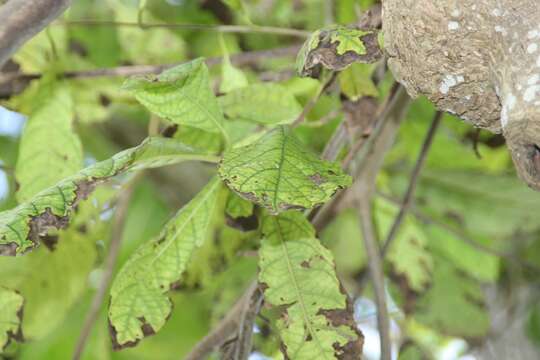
40,223
18,335
242,223
104,100
317,179
8,249
169,131
50,241
344,317
326,54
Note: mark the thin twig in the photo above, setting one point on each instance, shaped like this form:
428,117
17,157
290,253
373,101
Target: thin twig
415,176
376,272
242,59
313,101
239,29
114,249
459,234
226,328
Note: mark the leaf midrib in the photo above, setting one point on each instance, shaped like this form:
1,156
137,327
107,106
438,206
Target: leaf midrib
301,301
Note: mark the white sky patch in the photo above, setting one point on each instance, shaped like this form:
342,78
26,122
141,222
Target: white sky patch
538,62
531,49
496,12
453,25
455,13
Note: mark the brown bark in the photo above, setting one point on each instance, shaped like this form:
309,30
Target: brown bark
22,19
478,59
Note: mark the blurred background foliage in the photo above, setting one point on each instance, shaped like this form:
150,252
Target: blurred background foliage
462,277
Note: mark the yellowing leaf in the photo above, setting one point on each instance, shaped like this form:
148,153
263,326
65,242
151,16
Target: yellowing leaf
182,95
279,173
298,274
139,303
49,149
21,227
11,305
261,103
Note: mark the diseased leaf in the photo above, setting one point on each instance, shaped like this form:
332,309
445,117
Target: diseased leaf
279,173
182,95
49,149
11,305
268,104
21,227
336,48
139,304
298,273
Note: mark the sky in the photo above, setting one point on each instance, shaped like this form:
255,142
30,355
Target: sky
11,124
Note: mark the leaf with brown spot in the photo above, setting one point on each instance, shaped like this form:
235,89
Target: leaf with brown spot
11,310
337,47
22,227
299,275
278,172
139,304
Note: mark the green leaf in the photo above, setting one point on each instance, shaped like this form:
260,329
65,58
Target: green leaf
355,81
342,236
182,95
11,304
453,304
51,281
279,173
252,103
49,149
408,254
337,47
139,304
232,78
478,264
237,207
21,227
349,40
298,274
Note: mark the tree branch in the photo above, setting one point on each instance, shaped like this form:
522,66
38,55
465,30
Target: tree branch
242,59
238,29
375,269
114,249
415,176
22,19
227,328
